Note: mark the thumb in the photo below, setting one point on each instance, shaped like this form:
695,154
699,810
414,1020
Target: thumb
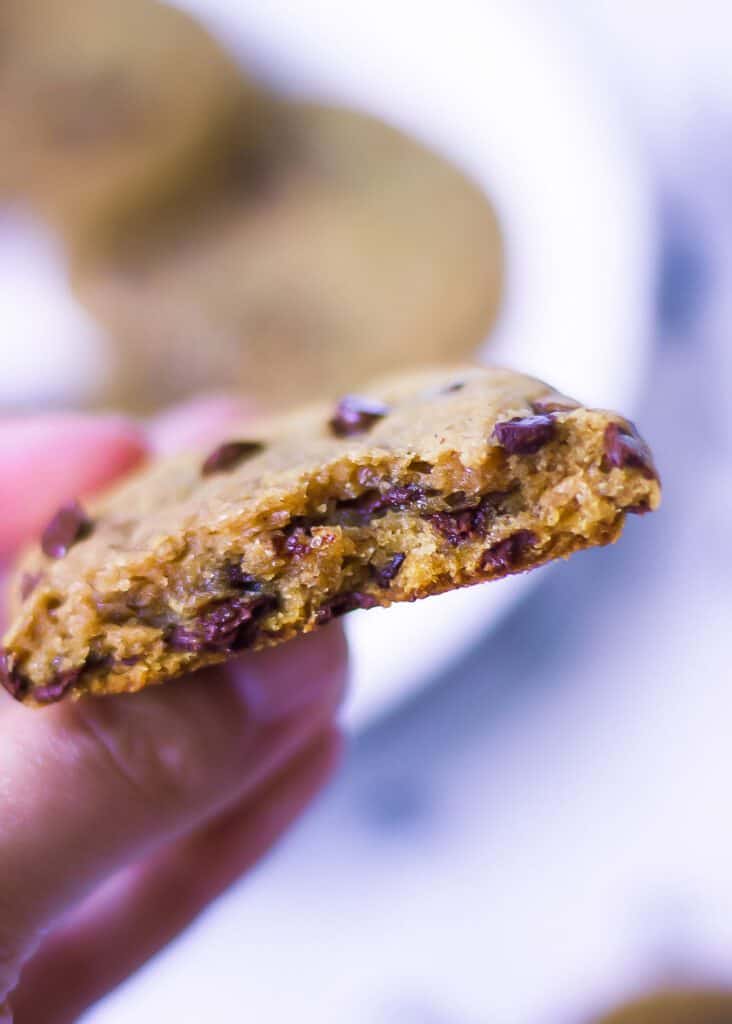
87,788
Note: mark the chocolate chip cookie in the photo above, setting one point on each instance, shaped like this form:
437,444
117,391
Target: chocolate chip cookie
359,252
108,108
682,1006
422,484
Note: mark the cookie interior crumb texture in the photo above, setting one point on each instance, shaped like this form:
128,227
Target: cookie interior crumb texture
428,482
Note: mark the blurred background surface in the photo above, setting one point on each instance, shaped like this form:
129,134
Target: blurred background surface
542,829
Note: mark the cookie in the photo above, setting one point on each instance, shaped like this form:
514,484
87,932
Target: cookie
676,1006
108,108
423,484
361,252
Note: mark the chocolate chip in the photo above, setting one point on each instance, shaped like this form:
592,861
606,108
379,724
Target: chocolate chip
28,583
70,525
468,523
406,495
355,415
420,466
364,506
224,627
19,686
229,455
14,682
295,539
58,686
455,526
457,386
237,579
549,404
217,629
508,554
97,661
343,603
384,574
525,435
623,447
372,503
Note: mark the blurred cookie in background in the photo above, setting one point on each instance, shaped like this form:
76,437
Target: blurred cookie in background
109,108
676,1006
357,252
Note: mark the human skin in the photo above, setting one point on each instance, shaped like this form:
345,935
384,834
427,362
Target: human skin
121,818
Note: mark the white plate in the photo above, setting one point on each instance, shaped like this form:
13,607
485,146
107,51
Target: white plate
51,352
508,95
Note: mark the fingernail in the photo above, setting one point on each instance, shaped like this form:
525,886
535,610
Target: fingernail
282,681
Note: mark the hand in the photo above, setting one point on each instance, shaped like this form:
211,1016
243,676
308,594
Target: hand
122,817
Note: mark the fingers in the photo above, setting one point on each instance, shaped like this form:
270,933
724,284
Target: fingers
205,419
47,460
87,788
143,910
